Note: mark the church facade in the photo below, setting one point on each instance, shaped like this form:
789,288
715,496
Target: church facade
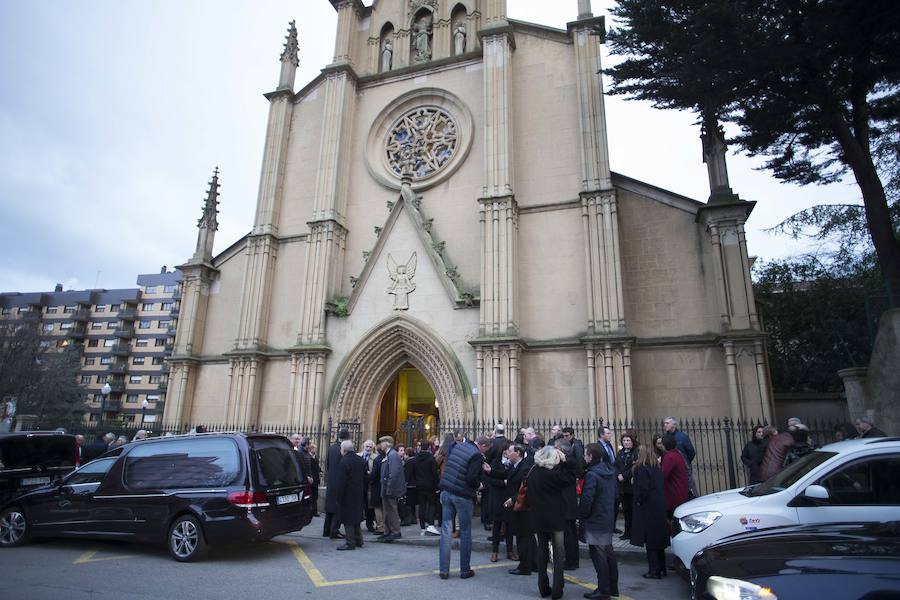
438,234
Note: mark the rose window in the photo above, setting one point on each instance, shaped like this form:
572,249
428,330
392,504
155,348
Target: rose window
422,140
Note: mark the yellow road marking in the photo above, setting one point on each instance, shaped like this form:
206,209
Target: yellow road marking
88,557
315,575
591,586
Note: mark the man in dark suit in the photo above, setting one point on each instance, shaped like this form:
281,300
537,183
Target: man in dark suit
94,449
332,526
349,492
520,521
491,456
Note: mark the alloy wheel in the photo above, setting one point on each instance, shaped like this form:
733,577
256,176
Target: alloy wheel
185,537
12,528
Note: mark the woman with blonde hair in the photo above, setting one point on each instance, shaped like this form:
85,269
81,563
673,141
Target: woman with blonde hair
546,481
648,521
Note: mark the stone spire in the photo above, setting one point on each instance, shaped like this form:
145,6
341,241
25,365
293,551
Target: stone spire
584,9
714,147
208,223
290,59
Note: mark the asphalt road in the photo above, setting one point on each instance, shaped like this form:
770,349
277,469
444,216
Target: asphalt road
287,567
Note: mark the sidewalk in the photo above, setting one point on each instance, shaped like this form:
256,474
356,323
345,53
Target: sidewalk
412,537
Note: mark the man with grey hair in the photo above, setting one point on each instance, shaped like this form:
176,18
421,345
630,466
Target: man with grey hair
866,428
683,444
393,486
368,454
348,491
110,439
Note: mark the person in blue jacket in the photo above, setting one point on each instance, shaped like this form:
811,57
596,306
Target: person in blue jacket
597,514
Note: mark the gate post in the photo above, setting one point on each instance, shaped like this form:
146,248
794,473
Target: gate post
732,476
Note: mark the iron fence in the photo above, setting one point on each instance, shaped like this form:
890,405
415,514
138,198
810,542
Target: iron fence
718,441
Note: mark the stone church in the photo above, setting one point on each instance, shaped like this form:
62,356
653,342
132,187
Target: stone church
438,235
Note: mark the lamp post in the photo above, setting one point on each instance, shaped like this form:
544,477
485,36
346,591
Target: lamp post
104,394
144,406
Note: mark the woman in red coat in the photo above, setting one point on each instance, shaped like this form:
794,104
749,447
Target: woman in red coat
675,479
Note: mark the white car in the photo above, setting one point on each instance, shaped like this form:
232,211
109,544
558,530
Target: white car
852,481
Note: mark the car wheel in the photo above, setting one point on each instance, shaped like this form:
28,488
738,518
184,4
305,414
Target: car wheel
185,541
13,528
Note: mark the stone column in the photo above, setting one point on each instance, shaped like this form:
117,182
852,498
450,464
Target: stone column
609,378
731,371
855,390
498,377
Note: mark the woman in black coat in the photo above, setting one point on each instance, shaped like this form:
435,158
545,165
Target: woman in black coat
648,525
597,512
425,478
495,479
374,484
624,463
546,481
753,453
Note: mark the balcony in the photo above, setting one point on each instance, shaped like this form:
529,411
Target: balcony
30,315
112,405
116,387
81,315
77,333
119,368
121,349
175,312
162,385
124,332
170,346
127,314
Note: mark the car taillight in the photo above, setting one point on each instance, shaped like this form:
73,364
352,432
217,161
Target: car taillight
249,499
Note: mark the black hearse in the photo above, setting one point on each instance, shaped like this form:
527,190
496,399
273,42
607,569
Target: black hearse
30,459
187,491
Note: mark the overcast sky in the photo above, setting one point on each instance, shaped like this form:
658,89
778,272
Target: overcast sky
113,114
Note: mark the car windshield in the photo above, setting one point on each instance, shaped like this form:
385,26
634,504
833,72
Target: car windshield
791,474
278,463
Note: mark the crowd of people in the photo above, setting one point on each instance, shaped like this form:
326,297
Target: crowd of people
538,496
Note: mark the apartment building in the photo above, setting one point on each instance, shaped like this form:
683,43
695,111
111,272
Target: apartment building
124,336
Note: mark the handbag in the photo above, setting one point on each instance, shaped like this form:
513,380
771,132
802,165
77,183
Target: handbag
579,486
521,502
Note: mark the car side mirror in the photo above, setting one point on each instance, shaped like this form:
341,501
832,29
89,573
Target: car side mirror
816,493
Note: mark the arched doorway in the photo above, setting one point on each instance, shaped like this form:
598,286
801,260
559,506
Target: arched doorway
408,409
367,373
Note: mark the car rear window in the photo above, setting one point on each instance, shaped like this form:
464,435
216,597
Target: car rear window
196,463
278,462
37,451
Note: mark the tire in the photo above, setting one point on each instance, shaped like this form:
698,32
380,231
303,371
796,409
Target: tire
14,530
185,540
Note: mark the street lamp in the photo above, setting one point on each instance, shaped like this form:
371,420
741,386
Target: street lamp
144,406
104,393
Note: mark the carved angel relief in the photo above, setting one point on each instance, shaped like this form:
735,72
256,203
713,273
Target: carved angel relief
401,281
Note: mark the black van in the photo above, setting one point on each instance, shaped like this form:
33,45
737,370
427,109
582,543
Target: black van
34,458
187,491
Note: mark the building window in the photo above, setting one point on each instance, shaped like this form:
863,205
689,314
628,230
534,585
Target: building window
148,306
150,289
144,325
160,342
65,326
164,324
115,307
97,325
106,360
100,308
131,398
135,379
70,308
155,378
102,378
137,360
52,310
130,418
112,324
169,289
93,343
89,361
109,343
166,306
85,379
152,397
158,360
141,343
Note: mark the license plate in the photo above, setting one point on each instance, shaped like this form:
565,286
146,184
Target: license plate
287,499
35,481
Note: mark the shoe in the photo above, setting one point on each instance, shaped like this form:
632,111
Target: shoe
518,572
651,576
432,530
512,556
493,557
338,536
444,575
596,595
543,592
556,596
386,539
378,532
347,547
467,574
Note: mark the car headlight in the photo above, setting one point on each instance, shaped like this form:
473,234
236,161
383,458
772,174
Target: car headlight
722,588
697,522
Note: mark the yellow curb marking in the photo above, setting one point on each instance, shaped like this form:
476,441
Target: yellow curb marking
590,586
315,575
88,557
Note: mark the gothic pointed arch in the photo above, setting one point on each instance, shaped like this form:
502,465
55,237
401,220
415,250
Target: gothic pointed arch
366,372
